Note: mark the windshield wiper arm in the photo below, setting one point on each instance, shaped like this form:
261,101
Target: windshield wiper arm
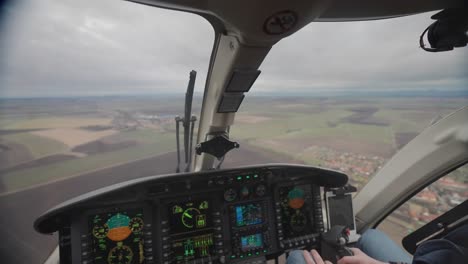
188,122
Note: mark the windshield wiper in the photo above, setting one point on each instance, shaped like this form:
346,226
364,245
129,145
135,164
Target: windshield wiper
188,122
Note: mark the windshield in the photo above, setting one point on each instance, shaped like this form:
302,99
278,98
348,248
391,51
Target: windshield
90,89
350,99
88,95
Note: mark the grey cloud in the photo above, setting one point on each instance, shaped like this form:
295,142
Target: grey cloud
57,46
373,54
85,47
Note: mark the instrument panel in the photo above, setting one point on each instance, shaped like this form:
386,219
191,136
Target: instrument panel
245,215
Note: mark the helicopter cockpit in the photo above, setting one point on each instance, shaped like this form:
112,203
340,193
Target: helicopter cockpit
257,213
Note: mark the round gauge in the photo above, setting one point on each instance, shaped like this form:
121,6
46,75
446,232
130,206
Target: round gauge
244,192
119,228
136,224
296,198
230,195
189,217
298,221
260,190
100,231
120,255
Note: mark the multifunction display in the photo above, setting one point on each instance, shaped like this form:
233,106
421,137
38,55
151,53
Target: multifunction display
250,231
249,214
117,237
189,216
251,242
296,210
191,230
193,247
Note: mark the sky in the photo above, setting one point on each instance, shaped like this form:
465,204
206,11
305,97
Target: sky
112,47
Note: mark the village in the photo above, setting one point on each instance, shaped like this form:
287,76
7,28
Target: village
427,205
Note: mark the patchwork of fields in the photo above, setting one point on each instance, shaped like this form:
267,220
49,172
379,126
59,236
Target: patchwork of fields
54,149
46,141
39,148
351,135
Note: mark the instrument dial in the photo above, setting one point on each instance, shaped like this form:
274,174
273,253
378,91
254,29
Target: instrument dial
100,231
244,192
260,190
298,221
120,254
230,195
189,217
136,225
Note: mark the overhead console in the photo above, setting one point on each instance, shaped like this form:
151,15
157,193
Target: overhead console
248,214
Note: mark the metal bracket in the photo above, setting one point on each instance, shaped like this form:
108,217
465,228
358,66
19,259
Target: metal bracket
218,146
348,188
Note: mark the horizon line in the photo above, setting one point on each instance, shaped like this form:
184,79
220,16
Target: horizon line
337,93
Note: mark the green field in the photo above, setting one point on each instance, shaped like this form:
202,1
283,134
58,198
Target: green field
55,122
159,143
312,130
38,146
146,136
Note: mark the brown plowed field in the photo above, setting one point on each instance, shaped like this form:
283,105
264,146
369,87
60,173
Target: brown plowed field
26,246
12,154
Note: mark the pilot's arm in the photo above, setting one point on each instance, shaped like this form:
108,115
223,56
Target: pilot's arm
313,257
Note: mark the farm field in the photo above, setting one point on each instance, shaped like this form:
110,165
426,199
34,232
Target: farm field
356,136
49,139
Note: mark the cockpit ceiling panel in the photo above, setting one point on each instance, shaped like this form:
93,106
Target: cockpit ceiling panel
359,10
267,21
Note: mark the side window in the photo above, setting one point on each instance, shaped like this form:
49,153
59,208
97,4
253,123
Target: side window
431,202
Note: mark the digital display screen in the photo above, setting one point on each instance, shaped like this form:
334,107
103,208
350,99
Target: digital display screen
297,210
191,230
190,216
249,214
251,242
117,237
191,248
341,211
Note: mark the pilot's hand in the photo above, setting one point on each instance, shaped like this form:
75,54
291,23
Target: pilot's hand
358,258
313,257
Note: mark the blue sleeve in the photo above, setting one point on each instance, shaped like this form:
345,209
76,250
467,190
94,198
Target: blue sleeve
452,249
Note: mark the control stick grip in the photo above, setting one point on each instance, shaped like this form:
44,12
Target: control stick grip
344,251
334,243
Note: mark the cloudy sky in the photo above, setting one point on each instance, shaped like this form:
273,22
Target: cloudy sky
88,47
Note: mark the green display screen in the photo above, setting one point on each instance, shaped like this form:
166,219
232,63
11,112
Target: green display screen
191,230
190,216
194,247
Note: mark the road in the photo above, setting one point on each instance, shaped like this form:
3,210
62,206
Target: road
21,244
